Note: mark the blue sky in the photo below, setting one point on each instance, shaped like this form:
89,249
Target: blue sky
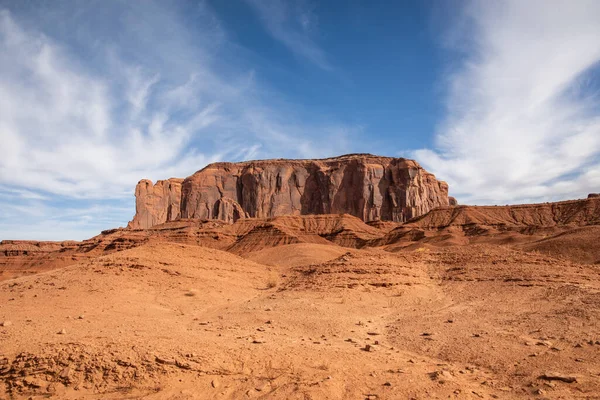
500,99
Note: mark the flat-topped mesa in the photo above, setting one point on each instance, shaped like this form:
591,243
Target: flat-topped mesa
366,186
156,204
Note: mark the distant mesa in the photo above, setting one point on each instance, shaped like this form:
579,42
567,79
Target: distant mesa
593,195
369,187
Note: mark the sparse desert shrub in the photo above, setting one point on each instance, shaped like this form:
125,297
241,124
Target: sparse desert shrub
272,281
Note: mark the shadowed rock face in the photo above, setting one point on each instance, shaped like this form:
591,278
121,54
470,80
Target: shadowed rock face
368,187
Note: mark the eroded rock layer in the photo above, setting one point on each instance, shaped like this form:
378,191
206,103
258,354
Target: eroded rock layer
156,204
369,187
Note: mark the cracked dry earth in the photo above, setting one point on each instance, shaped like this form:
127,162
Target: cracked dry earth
172,321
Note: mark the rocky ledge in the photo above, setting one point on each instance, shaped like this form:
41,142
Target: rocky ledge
369,187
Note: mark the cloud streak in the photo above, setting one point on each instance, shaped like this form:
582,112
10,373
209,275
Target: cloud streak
295,25
88,110
523,122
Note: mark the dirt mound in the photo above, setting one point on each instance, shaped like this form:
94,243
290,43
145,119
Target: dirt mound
357,269
343,230
23,257
63,369
549,228
573,212
580,244
294,255
271,235
384,226
19,258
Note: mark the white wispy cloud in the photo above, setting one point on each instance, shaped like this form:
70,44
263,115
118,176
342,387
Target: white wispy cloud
76,133
523,121
295,25
94,101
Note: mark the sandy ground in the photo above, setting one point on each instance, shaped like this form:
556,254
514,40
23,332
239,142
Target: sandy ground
173,321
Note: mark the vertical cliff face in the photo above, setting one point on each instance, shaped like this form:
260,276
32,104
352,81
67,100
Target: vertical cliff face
156,204
368,187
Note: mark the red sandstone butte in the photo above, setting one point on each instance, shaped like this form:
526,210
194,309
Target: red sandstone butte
366,186
156,204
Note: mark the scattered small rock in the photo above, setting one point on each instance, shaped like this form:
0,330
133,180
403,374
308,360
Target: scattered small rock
395,371
214,383
426,334
258,341
550,376
6,323
81,317
368,347
32,382
62,332
183,364
166,361
387,384
441,376
64,374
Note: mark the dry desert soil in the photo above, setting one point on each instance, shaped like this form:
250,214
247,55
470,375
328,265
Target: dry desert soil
322,307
